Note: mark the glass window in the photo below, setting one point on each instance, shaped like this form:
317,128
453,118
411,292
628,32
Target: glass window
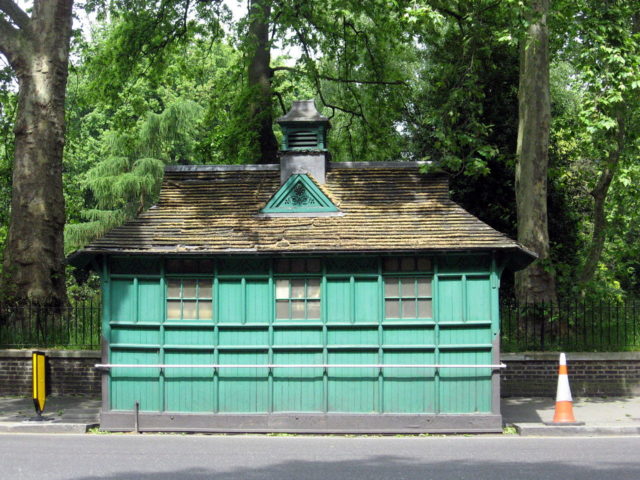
298,299
407,297
189,299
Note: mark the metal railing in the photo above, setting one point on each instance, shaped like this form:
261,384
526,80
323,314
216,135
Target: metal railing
567,325
297,365
570,325
29,325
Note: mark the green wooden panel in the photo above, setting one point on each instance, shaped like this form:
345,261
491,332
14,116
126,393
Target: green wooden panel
129,385
466,335
243,390
450,299
243,336
409,335
135,335
297,336
189,389
409,390
189,336
353,390
230,305
367,300
259,302
350,300
297,389
150,301
123,298
338,302
479,298
465,390
352,336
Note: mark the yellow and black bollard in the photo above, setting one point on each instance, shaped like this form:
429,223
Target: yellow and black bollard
38,362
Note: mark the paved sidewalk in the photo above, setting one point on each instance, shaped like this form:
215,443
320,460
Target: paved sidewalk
61,414
601,416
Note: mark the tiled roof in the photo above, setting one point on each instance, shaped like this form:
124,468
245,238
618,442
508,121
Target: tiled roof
382,208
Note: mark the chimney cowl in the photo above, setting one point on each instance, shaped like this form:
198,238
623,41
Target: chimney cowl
303,111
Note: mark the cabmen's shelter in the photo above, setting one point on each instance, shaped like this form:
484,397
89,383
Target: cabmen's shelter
305,296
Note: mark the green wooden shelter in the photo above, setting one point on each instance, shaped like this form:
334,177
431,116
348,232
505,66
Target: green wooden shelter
305,296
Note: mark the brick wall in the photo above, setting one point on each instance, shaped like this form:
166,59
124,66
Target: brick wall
69,372
527,374
590,374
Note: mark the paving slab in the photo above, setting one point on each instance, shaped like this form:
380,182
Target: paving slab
61,415
601,416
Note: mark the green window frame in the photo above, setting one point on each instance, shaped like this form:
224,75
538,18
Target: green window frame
298,298
189,299
408,297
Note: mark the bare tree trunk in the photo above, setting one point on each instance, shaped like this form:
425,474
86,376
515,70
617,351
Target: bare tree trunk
259,78
536,282
34,255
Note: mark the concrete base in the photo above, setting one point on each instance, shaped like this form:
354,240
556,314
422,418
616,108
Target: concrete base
541,430
45,427
302,423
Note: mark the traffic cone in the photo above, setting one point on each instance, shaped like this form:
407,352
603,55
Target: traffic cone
564,403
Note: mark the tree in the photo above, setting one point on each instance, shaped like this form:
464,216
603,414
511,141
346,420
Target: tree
536,282
609,55
37,48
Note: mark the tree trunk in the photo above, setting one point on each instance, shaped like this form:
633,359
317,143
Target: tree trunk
34,254
259,79
536,282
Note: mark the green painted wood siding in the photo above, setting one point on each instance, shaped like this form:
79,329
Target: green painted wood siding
353,328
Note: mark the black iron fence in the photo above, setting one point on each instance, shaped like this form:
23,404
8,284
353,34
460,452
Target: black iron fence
568,325
571,325
30,325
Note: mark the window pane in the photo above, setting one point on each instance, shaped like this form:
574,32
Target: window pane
282,289
424,287
424,264
314,265
313,309
391,288
391,264
282,309
205,289
392,308
189,289
297,288
173,288
425,309
173,310
297,309
204,310
189,309
408,264
408,287
205,266
408,309
282,266
297,266
313,288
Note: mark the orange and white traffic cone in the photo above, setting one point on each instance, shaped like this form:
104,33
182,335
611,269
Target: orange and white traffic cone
564,403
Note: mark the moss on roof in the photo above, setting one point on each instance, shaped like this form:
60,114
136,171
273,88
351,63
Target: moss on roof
217,210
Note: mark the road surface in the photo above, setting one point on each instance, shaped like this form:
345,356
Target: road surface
200,457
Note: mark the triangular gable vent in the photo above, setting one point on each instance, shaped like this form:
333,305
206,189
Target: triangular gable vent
299,194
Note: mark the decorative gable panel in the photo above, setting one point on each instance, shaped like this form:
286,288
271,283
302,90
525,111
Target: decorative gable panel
299,194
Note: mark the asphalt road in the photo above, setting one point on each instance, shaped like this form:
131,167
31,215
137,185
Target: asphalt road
199,457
